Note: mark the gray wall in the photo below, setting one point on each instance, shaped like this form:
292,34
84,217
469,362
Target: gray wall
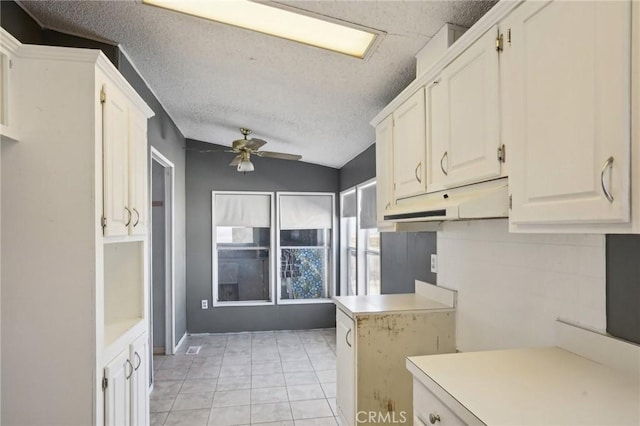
404,256
158,254
623,286
208,172
164,136
359,169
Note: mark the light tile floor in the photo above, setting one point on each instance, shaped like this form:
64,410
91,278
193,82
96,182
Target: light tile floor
282,378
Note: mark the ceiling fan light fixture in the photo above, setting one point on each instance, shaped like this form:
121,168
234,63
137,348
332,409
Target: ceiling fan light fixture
245,166
284,22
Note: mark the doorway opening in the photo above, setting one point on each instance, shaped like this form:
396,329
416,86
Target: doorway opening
161,291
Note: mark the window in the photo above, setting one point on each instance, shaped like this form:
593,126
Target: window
305,246
348,244
360,241
242,238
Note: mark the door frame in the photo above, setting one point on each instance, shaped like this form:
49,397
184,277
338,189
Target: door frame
170,308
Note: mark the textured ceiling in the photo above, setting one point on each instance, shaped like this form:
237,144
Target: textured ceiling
214,78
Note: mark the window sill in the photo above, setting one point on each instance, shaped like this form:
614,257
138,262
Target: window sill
241,303
304,301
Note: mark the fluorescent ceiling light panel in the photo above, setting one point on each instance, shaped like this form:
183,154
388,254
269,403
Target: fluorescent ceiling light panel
278,22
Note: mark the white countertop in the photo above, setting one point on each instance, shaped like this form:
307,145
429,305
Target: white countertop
533,386
386,303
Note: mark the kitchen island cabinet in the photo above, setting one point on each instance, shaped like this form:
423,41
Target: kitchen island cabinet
374,336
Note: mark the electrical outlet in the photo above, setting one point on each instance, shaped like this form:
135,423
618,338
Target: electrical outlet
205,304
434,263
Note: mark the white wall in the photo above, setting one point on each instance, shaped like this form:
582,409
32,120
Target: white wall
512,287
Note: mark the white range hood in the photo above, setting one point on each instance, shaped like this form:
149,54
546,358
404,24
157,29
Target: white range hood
484,200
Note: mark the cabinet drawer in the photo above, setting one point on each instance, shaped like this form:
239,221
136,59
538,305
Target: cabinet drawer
429,410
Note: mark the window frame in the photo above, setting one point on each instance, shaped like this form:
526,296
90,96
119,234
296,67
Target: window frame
332,234
361,249
214,252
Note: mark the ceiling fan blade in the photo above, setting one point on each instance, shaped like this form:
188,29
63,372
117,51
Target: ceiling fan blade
255,144
236,160
239,144
279,155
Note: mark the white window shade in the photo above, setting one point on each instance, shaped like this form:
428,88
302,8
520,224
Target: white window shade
306,211
246,210
368,219
349,204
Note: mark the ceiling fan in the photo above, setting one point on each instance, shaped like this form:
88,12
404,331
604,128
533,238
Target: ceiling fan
244,148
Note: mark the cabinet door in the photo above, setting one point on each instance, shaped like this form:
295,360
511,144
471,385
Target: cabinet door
409,147
566,76
115,164
427,408
138,353
138,160
463,125
117,397
346,368
384,161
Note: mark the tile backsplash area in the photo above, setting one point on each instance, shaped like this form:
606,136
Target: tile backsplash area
512,287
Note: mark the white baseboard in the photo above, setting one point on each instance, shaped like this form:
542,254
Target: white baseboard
180,342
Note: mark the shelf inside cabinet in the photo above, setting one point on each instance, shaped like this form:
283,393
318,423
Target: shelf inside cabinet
123,288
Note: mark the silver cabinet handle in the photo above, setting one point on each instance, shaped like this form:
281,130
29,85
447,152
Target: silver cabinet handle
139,361
445,155
433,418
346,338
130,371
419,166
129,219
608,163
137,217
388,205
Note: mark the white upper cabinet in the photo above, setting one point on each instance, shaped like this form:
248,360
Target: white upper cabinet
566,83
116,159
138,158
384,174
409,169
8,83
125,165
463,127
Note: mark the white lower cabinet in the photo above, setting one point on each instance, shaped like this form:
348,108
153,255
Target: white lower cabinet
346,384
373,386
429,410
126,386
117,390
139,354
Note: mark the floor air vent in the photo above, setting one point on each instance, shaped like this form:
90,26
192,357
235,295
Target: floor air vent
193,350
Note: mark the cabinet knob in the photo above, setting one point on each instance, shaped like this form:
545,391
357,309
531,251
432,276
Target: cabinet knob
433,418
